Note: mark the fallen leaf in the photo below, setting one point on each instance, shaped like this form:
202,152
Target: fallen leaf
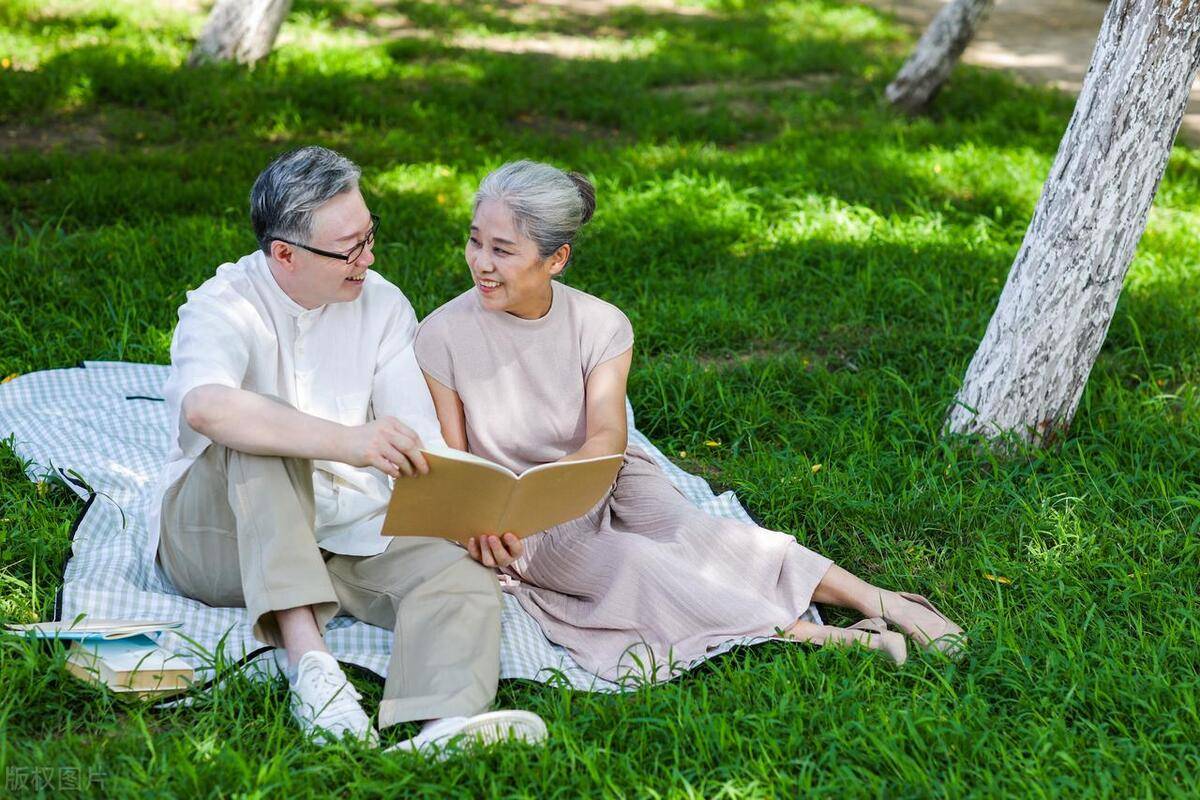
816,468
683,453
713,443
997,578
14,376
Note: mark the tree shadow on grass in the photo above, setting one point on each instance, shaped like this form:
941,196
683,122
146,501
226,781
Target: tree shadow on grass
212,129
858,156
614,93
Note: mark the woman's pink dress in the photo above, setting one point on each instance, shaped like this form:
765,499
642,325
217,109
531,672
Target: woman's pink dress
646,582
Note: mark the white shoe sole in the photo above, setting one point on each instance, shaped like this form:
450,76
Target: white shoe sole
482,729
499,726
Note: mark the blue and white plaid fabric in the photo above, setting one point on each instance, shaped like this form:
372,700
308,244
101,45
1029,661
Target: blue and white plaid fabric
103,426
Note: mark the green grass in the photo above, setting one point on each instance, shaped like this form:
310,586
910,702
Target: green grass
808,275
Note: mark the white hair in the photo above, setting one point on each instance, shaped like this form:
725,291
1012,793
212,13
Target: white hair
548,205
292,187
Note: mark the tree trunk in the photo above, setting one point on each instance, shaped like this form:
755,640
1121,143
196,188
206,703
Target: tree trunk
1029,371
936,54
240,30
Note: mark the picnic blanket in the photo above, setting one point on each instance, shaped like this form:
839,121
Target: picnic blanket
102,429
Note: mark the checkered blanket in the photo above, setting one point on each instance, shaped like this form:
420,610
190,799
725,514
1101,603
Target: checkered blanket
102,429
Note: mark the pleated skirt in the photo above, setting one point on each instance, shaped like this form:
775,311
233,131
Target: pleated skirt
646,583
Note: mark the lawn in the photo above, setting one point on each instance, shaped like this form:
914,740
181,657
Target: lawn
808,275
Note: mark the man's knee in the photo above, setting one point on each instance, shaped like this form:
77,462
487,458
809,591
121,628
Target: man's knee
469,573
243,462
446,567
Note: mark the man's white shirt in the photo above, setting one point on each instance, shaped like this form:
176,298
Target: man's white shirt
347,362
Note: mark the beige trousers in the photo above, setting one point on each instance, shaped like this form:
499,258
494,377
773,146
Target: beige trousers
237,530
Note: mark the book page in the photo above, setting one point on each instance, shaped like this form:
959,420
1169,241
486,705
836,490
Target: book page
125,656
552,494
129,664
88,628
462,455
458,499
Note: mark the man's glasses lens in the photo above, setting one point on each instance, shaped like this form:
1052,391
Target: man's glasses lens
365,243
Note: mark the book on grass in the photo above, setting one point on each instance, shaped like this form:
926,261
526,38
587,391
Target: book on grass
133,664
464,496
84,627
121,654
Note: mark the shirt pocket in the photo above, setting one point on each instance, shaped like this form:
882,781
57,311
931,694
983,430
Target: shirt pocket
352,408
325,494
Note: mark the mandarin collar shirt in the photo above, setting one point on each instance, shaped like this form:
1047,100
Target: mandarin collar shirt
348,362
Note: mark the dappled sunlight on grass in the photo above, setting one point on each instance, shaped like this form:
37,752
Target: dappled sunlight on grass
807,275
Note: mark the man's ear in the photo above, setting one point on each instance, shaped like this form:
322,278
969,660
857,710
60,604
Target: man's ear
559,259
284,254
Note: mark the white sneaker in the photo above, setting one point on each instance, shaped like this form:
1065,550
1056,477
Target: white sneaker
325,703
445,737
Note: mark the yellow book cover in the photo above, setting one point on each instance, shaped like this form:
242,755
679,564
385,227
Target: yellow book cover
464,496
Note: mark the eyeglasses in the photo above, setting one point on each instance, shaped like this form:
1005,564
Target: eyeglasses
349,257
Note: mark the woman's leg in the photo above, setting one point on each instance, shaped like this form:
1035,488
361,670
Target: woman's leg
841,588
889,642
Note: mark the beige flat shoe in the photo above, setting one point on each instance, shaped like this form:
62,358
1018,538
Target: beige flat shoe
889,642
947,639
871,633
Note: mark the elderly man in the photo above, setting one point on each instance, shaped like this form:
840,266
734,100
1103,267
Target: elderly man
294,397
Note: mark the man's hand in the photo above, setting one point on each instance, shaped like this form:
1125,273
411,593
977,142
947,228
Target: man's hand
496,551
386,444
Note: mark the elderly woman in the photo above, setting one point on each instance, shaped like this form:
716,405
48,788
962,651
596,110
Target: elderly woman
525,370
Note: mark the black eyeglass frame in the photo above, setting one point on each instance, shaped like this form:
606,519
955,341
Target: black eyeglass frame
351,255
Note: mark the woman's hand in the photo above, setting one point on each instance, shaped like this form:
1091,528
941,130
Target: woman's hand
496,551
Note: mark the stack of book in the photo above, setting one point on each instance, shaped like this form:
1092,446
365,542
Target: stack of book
120,654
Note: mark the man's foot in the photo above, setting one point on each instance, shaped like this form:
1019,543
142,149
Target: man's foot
446,737
325,703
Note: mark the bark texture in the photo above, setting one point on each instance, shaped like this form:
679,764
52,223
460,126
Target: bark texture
240,30
1028,374
936,54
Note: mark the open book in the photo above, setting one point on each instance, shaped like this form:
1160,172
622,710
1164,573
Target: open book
88,628
465,495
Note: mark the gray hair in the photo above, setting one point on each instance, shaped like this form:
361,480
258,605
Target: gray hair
295,184
548,205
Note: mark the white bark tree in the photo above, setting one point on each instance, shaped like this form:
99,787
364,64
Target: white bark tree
936,54
240,30
1028,374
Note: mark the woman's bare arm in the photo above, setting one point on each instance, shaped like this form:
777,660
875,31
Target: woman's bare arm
607,430
450,412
